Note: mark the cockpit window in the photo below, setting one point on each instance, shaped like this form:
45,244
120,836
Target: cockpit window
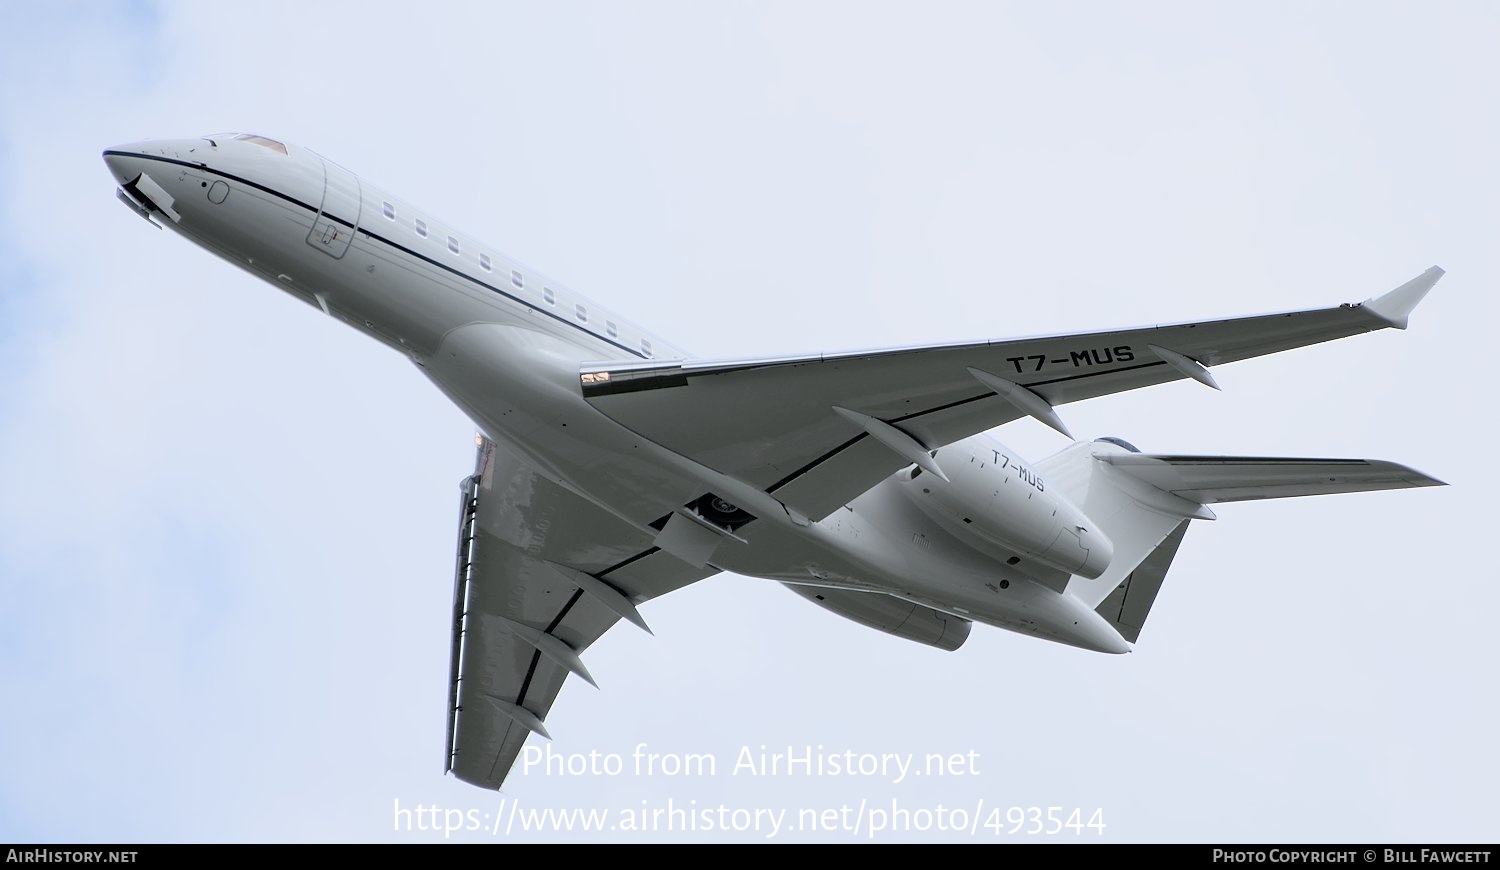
262,141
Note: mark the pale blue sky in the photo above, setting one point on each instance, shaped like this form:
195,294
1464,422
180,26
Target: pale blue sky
226,523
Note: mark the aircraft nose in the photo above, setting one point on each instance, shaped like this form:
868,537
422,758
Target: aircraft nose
128,160
124,161
129,164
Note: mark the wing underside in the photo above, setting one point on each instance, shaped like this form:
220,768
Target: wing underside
542,573
816,431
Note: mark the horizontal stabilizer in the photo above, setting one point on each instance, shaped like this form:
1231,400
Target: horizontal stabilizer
1212,479
1144,503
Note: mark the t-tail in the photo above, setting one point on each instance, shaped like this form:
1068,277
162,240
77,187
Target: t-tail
1144,502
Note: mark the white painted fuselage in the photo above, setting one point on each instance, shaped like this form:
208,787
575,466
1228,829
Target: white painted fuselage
507,344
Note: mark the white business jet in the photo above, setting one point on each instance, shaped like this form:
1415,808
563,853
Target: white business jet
612,469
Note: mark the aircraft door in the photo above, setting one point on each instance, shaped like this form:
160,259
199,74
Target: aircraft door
333,229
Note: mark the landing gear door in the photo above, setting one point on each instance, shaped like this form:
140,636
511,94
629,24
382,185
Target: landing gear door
333,229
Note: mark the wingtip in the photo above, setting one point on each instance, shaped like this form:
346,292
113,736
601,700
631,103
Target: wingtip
1396,306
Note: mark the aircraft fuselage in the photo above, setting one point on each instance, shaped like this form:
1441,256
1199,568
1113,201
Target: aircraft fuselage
506,345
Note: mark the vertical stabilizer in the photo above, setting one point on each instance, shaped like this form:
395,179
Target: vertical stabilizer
1127,604
1146,525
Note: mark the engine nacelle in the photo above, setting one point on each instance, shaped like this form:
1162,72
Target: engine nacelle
891,615
996,500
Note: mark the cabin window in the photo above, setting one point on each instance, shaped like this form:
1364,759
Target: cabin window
646,347
548,295
515,278
421,226
452,245
583,313
484,262
389,211
610,329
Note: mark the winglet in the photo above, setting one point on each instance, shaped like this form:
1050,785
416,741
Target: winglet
1393,307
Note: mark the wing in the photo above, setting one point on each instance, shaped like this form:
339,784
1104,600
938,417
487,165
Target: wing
542,573
816,431
1215,479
